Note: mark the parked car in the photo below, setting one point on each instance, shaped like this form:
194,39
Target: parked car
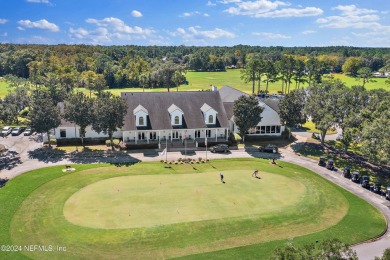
365,183
355,177
6,130
219,148
347,172
387,193
17,131
330,165
27,131
377,187
322,161
269,148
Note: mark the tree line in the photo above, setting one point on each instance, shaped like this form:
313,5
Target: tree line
363,115
92,67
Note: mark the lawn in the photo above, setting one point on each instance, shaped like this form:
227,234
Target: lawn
310,127
199,81
350,81
3,88
149,211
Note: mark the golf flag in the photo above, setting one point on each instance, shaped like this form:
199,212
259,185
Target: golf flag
163,152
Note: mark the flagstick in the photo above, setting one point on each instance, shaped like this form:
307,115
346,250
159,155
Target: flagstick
166,149
206,149
185,145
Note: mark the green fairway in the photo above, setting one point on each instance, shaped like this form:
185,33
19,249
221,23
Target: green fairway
350,81
199,81
147,201
100,211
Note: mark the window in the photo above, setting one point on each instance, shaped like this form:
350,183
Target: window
177,121
197,134
257,129
208,133
62,133
141,136
278,129
268,129
263,130
211,119
152,136
141,120
273,129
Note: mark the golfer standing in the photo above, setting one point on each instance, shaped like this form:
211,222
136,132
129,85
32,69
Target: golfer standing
221,175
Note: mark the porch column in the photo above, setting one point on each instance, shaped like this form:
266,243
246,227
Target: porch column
216,135
147,136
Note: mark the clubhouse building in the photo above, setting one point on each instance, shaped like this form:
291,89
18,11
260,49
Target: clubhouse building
156,119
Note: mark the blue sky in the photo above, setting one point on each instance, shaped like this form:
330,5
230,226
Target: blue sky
361,23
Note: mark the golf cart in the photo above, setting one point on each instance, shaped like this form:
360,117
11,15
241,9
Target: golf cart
322,161
387,194
330,165
355,177
365,183
376,187
347,172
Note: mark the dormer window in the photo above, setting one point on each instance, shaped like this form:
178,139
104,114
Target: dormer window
209,114
211,119
176,115
141,120
141,114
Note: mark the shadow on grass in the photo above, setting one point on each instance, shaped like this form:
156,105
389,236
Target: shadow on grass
47,154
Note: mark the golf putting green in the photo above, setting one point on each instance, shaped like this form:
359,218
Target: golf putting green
146,201
151,211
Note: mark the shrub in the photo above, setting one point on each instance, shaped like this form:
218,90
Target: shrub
200,159
114,141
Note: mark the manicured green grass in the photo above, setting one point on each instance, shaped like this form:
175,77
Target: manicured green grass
179,199
311,128
199,81
3,88
33,210
350,81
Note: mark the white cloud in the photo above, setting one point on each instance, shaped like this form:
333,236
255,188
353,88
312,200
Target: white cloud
136,13
272,36
4,34
38,1
41,24
269,9
229,1
118,26
209,3
3,21
352,17
195,13
194,33
108,31
20,28
308,32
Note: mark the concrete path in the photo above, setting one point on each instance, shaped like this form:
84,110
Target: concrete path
365,251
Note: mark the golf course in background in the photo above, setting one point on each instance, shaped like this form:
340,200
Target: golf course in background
147,210
198,81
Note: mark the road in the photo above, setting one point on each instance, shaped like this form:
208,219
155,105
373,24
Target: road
365,251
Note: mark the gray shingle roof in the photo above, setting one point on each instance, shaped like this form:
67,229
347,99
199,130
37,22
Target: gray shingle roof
158,103
272,103
229,94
